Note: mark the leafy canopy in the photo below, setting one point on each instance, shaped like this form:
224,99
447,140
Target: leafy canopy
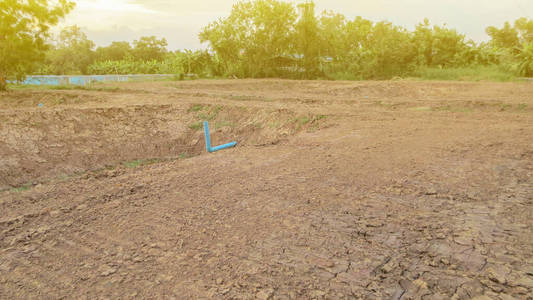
24,28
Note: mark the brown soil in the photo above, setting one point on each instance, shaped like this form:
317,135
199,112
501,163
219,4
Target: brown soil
337,190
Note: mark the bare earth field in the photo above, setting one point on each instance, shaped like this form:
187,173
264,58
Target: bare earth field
336,190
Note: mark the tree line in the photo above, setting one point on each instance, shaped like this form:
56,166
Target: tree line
261,38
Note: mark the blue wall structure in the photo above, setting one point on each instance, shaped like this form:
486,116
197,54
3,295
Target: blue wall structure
88,79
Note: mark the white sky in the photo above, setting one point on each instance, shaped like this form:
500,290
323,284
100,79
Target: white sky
180,21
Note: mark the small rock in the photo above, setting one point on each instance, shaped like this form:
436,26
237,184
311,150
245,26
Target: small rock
440,236
81,206
388,267
431,191
55,213
219,281
43,229
506,297
111,173
374,223
496,276
434,263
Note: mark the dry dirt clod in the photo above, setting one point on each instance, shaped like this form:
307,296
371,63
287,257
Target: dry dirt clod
265,294
524,281
388,267
497,275
107,270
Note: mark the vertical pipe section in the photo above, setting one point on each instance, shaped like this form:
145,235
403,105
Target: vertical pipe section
207,137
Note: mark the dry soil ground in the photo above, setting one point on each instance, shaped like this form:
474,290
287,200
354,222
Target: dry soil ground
336,190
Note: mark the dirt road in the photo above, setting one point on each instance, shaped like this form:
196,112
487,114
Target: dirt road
336,190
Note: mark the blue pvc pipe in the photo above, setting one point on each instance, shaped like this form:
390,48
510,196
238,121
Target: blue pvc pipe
228,145
208,141
207,137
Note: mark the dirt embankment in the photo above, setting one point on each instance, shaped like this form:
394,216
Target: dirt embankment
71,133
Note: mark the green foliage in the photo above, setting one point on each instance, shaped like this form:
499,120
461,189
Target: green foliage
257,40
307,39
513,46
115,51
525,58
506,37
22,188
24,27
470,73
250,40
127,66
140,162
187,62
196,125
269,38
72,54
196,108
149,48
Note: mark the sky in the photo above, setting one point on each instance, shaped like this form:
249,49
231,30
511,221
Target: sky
180,21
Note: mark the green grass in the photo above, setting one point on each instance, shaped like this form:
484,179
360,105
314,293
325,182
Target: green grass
274,125
475,73
210,115
303,120
22,188
140,162
224,124
63,87
196,108
196,125
248,98
313,120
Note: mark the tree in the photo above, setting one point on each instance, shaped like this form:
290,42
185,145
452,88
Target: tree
149,48
24,27
307,39
332,35
252,37
506,37
423,37
389,51
524,27
115,51
72,54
